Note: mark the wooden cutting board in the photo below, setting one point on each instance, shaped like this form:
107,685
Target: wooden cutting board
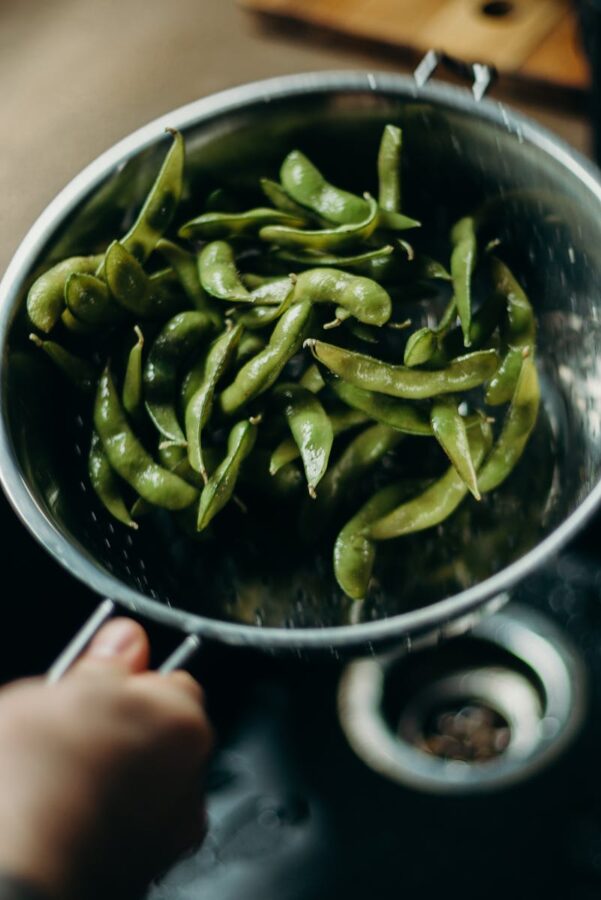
532,39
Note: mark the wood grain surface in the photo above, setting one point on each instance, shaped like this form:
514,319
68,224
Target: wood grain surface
533,39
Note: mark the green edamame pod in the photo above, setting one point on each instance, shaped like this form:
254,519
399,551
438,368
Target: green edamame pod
463,263
359,457
462,374
305,184
261,316
198,410
450,431
126,279
105,484
282,200
410,418
74,326
287,451
250,344
133,289
420,347
389,169
521,334
324,238
520,420
311,260
436,503
79,371
185,266
312,380
191,381
220,487
219,274
311,429
90,301
158,209
46,297
354,552
133,395
128,457
213,226
258,374
180,337
363,298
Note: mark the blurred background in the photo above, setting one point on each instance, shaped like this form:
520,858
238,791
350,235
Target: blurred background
77,75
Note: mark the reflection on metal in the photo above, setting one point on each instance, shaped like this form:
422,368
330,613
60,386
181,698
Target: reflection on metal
481,74
534,684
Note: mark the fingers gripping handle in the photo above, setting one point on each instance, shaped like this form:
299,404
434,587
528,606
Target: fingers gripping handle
180,656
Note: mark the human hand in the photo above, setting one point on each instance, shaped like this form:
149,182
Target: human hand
101,773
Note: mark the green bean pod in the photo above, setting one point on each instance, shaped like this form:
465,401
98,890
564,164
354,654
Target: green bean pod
90,300
80,372
324,238
311,430
212,226
521,334
282,200
363,298
133,393
410,418
420,347
46,297
105,485
258,374
250,344
462,374
463,263
312,260
389,169
133,289
220,487
287,450
180,337
363,452
185,266
74,326
198,410
436,503
450,431
129,458
305,184
354,552
219,274
158,209
520,420
261,315
312,379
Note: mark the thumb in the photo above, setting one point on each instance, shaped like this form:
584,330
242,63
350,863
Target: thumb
121,645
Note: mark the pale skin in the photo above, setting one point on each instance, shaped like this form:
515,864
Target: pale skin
101,774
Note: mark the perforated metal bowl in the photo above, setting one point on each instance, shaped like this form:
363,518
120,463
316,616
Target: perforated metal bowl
544,202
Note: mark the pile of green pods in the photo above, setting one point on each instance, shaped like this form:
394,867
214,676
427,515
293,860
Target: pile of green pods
242,348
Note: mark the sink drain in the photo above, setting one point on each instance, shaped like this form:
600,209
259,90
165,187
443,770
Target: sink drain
479,713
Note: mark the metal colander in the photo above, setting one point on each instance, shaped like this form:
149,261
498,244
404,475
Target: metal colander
544,203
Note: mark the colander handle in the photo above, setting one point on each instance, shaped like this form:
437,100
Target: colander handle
480,74
180,656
